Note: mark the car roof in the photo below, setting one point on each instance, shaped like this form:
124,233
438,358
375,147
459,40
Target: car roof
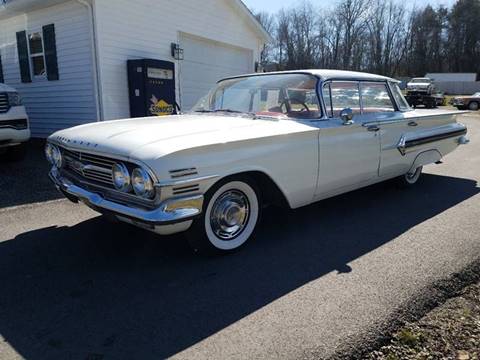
325,74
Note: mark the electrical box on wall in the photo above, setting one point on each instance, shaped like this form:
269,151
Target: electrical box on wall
151,86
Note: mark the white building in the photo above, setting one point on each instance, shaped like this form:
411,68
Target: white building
456,83
68,58
446,77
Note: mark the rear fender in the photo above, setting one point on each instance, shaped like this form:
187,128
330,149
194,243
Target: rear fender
425,158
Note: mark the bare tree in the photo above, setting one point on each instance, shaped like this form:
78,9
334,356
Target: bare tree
380,36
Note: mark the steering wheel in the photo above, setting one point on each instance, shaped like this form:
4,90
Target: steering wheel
294,101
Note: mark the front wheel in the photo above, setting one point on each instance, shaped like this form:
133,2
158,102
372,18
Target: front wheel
230,214
410,178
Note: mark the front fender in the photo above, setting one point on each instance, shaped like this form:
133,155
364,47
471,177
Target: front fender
290,161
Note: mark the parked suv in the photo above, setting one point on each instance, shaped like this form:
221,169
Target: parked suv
14,127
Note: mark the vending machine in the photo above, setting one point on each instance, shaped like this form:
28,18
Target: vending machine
151,86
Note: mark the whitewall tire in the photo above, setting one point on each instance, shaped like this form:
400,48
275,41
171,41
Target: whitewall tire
230,214
411,178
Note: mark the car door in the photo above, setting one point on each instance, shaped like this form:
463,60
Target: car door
393,126
349,151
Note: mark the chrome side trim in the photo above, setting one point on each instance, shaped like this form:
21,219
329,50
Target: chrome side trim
169,183
384,122
401,146
405,143
170,211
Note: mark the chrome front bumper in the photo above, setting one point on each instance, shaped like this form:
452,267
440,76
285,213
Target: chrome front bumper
171,211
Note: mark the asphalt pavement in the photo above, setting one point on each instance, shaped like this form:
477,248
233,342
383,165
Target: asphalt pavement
74,286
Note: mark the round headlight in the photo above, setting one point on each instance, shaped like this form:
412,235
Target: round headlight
57,157
49,152
121,177
142,183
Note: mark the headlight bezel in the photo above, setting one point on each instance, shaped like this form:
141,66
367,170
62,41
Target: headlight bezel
122,170
48,153
54,155
142,183
57,157
14,99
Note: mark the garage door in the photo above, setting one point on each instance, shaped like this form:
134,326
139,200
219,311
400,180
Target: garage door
204,63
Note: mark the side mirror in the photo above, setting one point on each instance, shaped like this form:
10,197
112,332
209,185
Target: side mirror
347,115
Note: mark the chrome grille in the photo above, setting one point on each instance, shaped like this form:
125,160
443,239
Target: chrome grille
4,106
92,167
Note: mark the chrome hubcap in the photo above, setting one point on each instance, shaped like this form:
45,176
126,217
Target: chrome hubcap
229,214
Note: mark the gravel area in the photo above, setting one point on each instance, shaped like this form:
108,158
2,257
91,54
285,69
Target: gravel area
450,331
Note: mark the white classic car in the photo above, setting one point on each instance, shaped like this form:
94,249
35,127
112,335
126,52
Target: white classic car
14,129
290,138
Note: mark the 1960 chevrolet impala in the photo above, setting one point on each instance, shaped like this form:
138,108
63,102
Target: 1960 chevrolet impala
291,138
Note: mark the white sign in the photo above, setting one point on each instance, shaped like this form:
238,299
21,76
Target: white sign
156,73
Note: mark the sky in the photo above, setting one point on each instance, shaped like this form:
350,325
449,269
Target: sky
275,5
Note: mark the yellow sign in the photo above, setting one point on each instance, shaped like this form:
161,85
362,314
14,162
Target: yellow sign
160,107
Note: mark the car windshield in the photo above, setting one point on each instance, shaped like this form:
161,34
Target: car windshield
276,95
477,94
420,80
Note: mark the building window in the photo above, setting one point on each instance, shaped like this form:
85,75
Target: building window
37,57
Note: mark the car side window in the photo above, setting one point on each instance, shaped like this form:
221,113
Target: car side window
375,98
339,95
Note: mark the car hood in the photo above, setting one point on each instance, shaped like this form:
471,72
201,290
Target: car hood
152,137
6,88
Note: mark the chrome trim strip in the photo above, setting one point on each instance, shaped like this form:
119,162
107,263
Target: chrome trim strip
384,122
97,168
170,211
405,144
169,183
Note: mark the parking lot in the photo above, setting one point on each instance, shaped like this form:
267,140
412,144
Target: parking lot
313,280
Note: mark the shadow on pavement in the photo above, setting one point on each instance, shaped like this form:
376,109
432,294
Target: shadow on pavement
98,289
26,181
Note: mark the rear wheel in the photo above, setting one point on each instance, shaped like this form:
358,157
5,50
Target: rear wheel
410,178
473,106
230,214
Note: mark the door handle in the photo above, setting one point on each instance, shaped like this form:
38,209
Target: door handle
373,128
412,123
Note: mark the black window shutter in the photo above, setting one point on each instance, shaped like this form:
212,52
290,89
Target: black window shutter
50,47
1,71
23,56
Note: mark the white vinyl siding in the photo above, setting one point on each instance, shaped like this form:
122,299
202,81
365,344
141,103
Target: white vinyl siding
70,101
146,28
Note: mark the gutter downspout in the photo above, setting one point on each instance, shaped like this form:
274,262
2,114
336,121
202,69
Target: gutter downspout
95,58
